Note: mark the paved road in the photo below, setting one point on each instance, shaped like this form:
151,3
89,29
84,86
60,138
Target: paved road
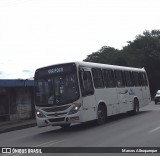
142,130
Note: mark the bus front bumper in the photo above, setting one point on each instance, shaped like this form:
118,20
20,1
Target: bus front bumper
57,121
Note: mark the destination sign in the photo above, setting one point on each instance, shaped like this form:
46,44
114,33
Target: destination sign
55,69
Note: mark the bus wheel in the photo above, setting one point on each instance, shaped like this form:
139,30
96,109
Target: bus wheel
65,126
136,106
156,102
101,119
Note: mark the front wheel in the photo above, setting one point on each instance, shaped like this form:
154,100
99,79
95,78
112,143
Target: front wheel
65,126
101,115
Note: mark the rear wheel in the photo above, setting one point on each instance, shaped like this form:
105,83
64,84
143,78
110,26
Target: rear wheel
101,113
136,106
155,102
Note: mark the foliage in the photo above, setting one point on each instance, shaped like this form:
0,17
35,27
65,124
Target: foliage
107,55
144,51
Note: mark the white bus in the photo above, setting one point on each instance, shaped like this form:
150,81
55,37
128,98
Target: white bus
80,91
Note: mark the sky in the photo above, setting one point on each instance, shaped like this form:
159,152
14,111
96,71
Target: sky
37,33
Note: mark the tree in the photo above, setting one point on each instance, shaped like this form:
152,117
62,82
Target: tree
106,55
146,48
144,51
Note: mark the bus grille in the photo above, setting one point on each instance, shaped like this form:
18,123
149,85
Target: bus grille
56,109
57,119
57,114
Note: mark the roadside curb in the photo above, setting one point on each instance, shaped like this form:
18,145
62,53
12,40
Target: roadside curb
17,126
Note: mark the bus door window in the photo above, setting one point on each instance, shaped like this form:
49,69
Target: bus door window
86,83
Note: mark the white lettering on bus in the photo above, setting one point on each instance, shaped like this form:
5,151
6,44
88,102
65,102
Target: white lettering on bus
55,70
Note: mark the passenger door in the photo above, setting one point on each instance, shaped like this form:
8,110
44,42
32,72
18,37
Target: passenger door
88,96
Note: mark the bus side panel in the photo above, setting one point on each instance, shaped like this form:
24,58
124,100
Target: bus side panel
109,97
139,95
130,98
88,108
146,95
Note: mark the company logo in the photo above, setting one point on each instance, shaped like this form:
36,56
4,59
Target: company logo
131,92
6,150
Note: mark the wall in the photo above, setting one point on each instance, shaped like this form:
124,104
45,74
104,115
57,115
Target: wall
16,103
23,104
4,104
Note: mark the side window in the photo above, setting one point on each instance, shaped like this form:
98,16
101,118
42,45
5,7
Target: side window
119,78
132,78
143,79
135,78
140,78
97,78
128,78
86,83
109,79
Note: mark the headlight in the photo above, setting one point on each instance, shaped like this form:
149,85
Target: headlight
74,109
39,114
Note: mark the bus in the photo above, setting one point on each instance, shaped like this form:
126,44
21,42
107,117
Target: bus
78,92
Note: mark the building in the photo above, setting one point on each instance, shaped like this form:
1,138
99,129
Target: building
16,99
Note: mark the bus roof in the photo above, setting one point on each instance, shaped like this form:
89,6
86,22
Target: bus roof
116,67
98,65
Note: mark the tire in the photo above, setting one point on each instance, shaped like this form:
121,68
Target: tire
156,102
136,106
65,126
101,115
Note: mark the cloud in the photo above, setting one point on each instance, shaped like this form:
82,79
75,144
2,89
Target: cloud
23,74
1,63
26,71
1,72
4,75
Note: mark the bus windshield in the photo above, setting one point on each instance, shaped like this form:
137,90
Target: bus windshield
57,90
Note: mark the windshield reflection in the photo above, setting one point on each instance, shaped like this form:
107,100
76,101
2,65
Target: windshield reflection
57,90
